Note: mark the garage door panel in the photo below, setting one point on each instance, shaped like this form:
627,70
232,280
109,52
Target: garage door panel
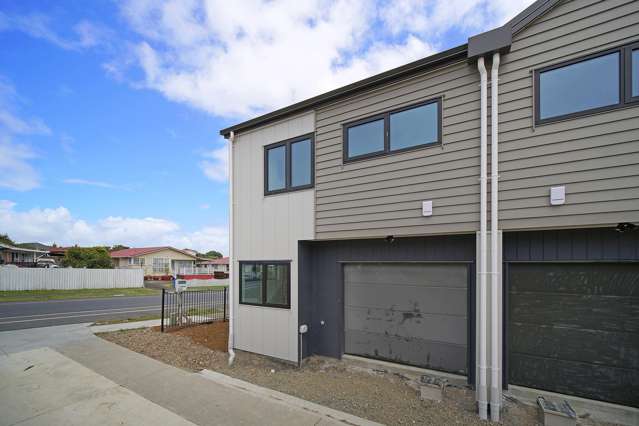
590,312
438,275
574,328
444,328
408,312
419,352
605,383
604,348
404,298
603,279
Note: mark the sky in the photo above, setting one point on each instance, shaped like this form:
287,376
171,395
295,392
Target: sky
110,111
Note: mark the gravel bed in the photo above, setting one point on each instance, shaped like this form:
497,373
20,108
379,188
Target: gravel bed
377,395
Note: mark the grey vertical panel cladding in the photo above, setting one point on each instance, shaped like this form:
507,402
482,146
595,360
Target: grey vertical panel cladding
593,197
408,312
323,279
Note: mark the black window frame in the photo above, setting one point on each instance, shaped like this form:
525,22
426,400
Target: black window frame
265,263
386,117
625,76
288,164
629,99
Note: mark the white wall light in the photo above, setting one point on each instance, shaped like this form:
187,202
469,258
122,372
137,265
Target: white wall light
557,195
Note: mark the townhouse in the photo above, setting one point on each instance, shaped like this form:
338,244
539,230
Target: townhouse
472,212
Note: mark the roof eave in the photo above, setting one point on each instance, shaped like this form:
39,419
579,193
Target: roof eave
432,61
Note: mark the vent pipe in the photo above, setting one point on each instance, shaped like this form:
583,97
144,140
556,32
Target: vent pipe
495,291
482,388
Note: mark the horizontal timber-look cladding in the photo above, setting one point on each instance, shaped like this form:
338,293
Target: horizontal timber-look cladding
380,196
596,156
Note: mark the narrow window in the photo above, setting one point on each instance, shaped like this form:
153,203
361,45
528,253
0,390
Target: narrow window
365,138
579,87
265,284
251,283
276,168
301,159
634,72
288,165
414,127
411,127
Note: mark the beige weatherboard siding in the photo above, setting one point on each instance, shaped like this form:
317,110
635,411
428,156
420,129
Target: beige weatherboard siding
172,255
268,228
596,157
383,195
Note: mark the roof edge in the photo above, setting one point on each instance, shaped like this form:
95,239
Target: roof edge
458,52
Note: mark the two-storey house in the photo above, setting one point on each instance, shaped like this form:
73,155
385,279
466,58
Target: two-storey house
472,212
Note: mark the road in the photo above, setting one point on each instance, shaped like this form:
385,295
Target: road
20,315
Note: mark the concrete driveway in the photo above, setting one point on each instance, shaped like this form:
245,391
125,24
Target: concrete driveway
67,375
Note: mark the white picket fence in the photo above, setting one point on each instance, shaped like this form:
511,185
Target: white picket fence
68,279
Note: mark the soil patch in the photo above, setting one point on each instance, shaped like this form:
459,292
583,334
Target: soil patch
378,395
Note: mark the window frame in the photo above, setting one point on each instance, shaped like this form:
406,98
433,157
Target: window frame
628,98
387,143
288,164
265,263
622,95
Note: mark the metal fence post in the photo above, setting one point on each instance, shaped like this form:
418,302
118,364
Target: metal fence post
224,317
162,315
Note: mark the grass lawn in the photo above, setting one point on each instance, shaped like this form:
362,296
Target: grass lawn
207,287
42,295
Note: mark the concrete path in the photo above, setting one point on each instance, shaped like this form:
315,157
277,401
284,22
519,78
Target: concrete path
42,387
90,370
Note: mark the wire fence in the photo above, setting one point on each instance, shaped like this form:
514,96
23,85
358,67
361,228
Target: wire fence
190,307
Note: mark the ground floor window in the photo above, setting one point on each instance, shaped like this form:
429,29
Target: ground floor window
161,265
265,283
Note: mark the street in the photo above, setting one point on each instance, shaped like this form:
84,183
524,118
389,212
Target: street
20,315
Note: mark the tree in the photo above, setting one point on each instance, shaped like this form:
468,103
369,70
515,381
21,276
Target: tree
211,254
87,257
119,247
4,239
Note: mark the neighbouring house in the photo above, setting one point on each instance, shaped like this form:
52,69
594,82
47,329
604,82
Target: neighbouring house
211,266
19,256
363,212
156,261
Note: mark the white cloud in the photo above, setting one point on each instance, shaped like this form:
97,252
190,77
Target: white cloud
58,225
237,59
216,164
87,182
85,34
16,171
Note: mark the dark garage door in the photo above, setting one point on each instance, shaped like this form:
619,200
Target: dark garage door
573,328
409,313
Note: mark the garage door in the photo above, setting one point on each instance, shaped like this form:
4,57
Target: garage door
413,314
574,328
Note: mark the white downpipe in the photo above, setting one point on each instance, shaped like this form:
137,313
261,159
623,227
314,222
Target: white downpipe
231,285
482,389
495,382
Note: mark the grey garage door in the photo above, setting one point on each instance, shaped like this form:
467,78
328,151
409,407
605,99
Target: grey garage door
412,313
574,328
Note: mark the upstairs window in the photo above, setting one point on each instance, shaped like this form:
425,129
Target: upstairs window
412,127
288,165
586,85
632,71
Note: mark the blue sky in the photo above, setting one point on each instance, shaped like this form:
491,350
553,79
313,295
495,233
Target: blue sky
110,111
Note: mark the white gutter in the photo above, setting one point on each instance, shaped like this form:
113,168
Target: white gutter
495,382
482,388
231,285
